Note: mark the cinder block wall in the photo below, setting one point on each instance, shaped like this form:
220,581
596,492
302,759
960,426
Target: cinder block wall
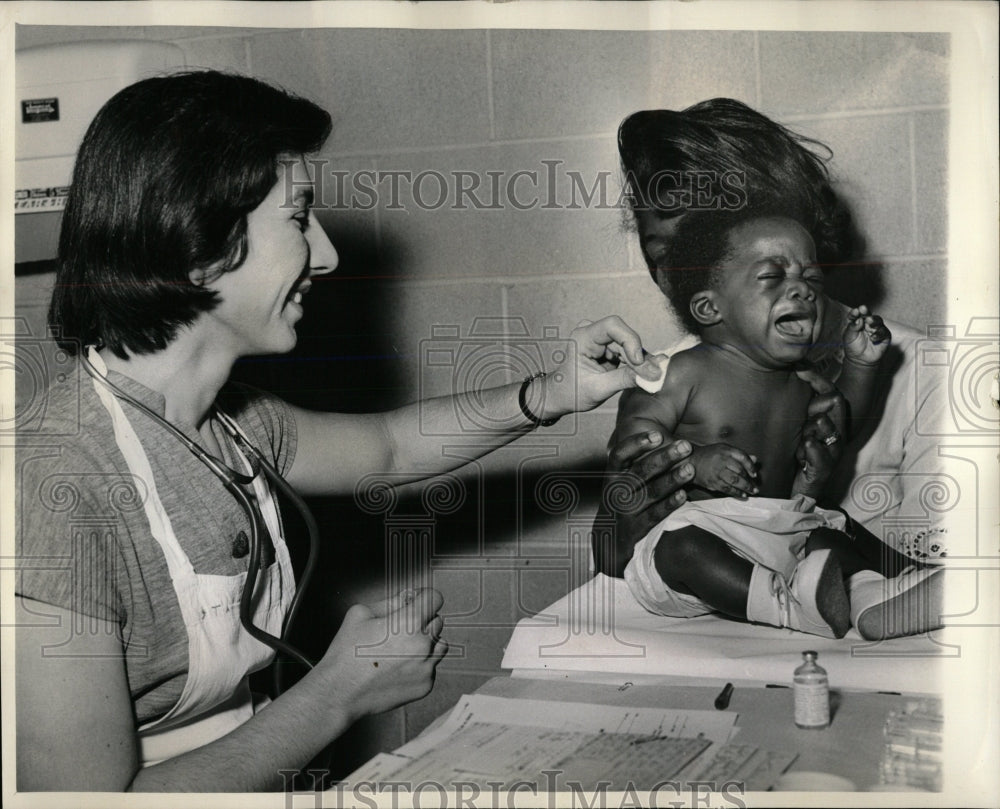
510,536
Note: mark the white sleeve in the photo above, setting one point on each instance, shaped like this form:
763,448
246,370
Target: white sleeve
899,489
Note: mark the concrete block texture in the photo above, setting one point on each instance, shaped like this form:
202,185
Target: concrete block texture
930,171
828,71
871,168
917,291
633,297
229,53
503,211
386,88
552,83
449,337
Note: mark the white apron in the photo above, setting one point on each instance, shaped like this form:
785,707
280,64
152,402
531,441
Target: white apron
221,653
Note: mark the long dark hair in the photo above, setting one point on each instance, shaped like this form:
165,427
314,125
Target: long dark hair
728,140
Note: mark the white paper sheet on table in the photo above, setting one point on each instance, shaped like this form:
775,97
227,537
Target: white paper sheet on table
716,726
599,627
488,740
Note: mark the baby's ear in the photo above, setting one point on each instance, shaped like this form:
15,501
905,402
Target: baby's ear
703,308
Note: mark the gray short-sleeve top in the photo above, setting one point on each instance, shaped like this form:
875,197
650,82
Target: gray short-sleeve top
83,539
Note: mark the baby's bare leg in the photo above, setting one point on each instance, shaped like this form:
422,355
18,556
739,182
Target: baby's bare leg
694,561
842,547
859,549
880,557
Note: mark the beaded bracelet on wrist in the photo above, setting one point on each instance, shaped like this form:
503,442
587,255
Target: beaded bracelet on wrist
522,401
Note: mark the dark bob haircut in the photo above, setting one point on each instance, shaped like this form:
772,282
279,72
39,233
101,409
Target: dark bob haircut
165,177
736,152
699,245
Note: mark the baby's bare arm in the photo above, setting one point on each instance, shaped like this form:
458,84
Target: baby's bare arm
866,340
720,468
641,412
629,507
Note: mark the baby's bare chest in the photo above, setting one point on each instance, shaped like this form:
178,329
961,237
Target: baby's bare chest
760,417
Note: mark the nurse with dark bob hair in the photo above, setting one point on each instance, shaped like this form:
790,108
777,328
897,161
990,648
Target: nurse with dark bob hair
153,572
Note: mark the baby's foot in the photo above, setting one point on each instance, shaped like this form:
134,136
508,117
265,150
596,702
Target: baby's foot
909,604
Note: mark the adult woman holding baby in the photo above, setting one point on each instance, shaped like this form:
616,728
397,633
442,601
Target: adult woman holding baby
153,573
743,158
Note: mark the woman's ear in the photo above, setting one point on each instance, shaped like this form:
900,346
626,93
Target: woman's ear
703,308
203,276
199,277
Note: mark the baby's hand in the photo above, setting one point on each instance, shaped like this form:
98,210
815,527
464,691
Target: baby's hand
725,469
866,337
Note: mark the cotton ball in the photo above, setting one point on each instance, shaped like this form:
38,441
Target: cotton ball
659,362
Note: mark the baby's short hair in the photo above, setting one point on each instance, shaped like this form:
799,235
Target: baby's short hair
699,245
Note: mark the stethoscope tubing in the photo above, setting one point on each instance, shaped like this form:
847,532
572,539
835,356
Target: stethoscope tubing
234,482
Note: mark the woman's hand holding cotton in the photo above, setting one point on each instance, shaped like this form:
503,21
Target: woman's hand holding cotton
602,365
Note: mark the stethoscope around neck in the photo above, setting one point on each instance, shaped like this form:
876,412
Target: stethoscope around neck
236,483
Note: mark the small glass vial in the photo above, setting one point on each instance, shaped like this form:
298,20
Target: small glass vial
812,694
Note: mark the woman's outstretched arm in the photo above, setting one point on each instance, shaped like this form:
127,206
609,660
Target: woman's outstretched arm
336,450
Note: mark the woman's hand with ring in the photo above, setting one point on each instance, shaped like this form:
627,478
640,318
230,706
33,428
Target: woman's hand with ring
820,447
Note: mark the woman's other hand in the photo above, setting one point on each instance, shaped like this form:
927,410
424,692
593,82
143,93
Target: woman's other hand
642,484
385,655
822,442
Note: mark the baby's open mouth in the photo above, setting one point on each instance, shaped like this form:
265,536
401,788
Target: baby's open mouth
795,326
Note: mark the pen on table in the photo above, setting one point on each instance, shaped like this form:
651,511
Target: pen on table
722,701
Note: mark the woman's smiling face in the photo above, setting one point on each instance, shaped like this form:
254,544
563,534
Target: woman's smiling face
261,301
